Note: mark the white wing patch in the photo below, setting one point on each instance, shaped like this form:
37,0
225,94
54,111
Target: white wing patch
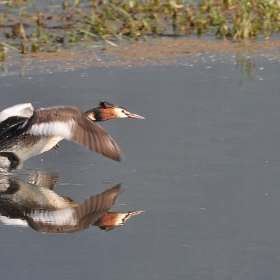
56,128
22,110
60,217
13,222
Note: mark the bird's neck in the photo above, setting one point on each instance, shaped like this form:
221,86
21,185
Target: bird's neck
98,115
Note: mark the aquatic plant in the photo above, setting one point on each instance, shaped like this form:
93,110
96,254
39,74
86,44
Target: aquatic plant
250,18
111,21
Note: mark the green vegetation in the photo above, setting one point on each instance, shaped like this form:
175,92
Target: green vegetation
74,21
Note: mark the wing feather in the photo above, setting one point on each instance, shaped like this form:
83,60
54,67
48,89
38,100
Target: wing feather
71,124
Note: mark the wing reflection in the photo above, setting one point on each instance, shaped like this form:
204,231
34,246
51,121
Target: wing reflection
37,205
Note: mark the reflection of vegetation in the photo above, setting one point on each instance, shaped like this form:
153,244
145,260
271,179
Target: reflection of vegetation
133,19
247,65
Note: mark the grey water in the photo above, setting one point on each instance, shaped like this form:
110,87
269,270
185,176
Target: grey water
204,166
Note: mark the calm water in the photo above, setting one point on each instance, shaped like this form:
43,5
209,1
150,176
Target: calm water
204,166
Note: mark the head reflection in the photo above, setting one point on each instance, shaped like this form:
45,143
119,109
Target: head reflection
36,204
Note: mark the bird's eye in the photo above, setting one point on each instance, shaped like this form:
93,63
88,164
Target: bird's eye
122,111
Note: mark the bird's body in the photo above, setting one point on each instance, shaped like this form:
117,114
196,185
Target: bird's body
25,133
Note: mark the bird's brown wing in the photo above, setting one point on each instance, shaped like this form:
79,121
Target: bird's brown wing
71,124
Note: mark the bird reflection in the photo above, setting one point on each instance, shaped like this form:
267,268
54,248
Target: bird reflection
36,204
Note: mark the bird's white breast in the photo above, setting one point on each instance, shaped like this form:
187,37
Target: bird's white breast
39,147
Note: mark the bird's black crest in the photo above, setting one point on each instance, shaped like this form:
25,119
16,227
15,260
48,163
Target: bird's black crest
104,104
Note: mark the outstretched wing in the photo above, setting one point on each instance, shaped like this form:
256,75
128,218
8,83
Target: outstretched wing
20,110
71,124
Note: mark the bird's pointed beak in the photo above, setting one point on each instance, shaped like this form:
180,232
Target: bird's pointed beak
134,116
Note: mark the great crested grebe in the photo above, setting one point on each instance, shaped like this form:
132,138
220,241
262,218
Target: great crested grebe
25,133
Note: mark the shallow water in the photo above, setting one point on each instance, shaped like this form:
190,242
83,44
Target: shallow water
203,165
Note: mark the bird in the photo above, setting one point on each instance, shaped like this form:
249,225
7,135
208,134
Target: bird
25,133
23,203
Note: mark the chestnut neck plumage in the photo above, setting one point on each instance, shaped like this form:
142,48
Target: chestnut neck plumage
101,114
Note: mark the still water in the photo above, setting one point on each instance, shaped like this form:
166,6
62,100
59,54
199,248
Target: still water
203,166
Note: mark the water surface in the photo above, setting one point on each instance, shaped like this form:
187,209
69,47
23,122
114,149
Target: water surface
204,165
